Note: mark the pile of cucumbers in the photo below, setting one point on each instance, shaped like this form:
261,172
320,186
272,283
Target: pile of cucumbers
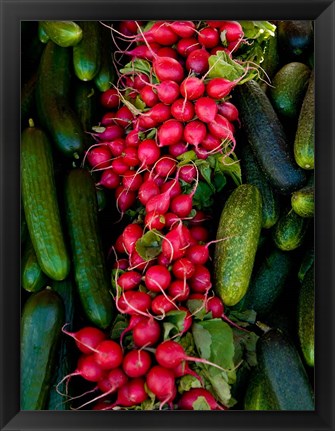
264,271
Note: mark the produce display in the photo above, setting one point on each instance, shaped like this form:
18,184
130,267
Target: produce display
167,236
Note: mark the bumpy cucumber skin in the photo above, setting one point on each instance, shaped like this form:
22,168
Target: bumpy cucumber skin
306,263
88,259
254,175
41,323
305,134
306,320
267,138
33,278
62,33
85,103
268,282
289,232
302,202
288,89
280,364
52,101
87,53
271,60
240,223
39,197
257,395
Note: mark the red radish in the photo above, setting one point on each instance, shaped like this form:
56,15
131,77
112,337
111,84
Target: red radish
158,204
183,268
194,132
112,380
119,166
182,110
200,281
162,304
116,146
183,29
206,109
161,259
178,290
218,88
221,128
228,110
136,261
87,338
187,323
131,233
121,264
140,80
108,118
132,138
145,121
173,186
144,52
177,149
184,369
99,157
125,199
167,51
200,217
136,363
130,157
197,61
157,278
162,33
170,132
175,242
132,180
192,88
102,405
189,397
146,333
165,166
108,354
124,116
161,382
166,68
111,132
209,37
232,46
211,143
233,30
134,302
149,96
199,233
214,24
109,179
148,190
129,280
130,394
187,45
119,245
171,219
148,152
160,113
201,152
181,205
198,254
110,98
133,321
219,48
152,220
167,91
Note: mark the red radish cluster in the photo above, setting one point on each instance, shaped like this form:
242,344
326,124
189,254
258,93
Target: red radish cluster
149,121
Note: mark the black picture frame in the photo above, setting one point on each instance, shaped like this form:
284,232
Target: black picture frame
12,12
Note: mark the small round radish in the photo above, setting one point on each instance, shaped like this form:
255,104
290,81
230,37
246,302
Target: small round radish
130,157
200,281
165,167
161,382
167,51
162,304
187,45
124,117
183,29
99,157
152,220
148,152
233,30
208,37
167,91
228,110
162,33
218,88
177,149
171,219
198,254
134,302
131,233
160,113
136,261
121,264
87,338
109,179
170,132
199,233
112,380
157,278
133,321
116,146
178,290
211,143
166,68
146,333
136,363
148,190
158,204
175,242
132,180
182,110
194,132
181,205
87,368
188,398
131,393
145,121
197,61
111,132
188,173
129,280
110,98
132,139
206,109
183,268
119,166
108,118
108,354
221,128
173,186
140,80
192,88
149,96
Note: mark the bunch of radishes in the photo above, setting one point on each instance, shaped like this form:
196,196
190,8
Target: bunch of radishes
163,106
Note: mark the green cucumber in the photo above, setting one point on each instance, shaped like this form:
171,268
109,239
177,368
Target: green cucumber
88,258
62,33
295,39
305,134
257,394
52,100
42,35
39,197
32,276
271,61
239,231
306,263
254,175
106,75
64,362
41,323
267,138
289,232
286,380
87,53
305,315
302,202
85,103
288,89
267,282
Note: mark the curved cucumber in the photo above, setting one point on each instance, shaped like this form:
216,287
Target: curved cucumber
302,202
39,197
306,317
239,227
41,323
62,33
290,231
89,262
267,138
33,278
87,53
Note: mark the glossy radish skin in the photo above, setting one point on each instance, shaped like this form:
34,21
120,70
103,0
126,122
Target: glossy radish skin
166,68
108,355
206,109
188,399
161,382
146,333
192,88
136,363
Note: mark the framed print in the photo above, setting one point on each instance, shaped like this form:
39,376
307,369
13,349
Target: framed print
167,215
